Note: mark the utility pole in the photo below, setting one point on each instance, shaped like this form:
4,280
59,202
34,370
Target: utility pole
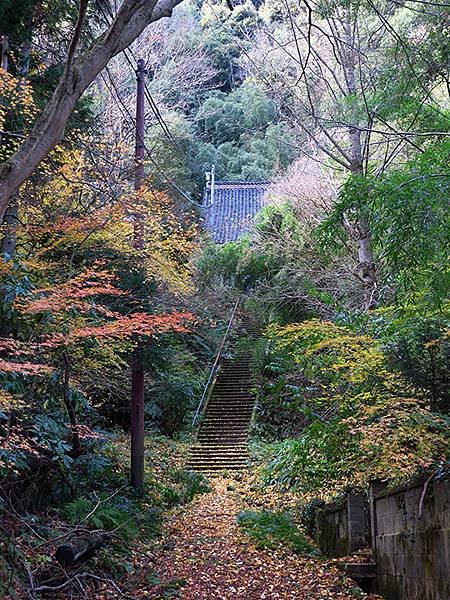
137,367
4,52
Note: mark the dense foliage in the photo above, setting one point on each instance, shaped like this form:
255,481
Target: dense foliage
354,419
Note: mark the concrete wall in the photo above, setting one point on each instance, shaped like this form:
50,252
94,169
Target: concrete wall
412,553
343,528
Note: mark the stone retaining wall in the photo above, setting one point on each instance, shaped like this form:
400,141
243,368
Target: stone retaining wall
412,551
410,539
341,529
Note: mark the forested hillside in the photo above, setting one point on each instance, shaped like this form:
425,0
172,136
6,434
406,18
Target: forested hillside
115,302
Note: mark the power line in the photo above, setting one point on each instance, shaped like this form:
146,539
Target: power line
127,115
153,106
124,110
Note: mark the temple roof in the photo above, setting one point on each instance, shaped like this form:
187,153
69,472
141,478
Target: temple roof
233,208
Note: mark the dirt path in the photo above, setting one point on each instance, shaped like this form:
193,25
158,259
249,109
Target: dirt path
206,556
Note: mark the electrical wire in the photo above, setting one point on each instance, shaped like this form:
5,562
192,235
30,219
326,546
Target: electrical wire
160,174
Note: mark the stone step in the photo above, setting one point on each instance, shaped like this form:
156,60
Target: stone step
228,437
242,447
215,415
236,436
234,400
232,411
233,373
230,392
217,448
224,426
225,433
231,401
219,461
228,404
217,458
235,379
226,422
222,438
208,470
238,409
216,467
226,418
214,464
229,428
224,388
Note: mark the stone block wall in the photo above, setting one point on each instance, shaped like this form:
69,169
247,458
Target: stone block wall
409,531
412,551
341,529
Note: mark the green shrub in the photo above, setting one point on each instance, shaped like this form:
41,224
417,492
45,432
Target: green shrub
234,264
270,529
116,514
193,483
416,342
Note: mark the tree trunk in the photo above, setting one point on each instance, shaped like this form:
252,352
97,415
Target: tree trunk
79,547
367,264
76,444
365,255
9,229
130,21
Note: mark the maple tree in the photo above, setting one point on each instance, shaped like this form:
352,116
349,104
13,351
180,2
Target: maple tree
353,418
68,318
83,317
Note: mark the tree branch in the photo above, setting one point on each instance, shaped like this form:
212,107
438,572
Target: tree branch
130,21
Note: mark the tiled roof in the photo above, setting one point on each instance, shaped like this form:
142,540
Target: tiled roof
233,209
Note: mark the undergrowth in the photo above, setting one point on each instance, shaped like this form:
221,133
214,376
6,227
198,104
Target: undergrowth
107,504
339,413
270,529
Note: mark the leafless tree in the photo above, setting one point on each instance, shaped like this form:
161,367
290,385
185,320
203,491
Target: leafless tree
325,69
308,187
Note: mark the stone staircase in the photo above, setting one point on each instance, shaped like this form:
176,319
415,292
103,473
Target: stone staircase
222,438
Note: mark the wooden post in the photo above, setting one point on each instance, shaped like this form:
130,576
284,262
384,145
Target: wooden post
139,154
4,52
137,368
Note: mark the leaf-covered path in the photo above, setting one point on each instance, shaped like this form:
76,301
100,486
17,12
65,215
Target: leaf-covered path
208,557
